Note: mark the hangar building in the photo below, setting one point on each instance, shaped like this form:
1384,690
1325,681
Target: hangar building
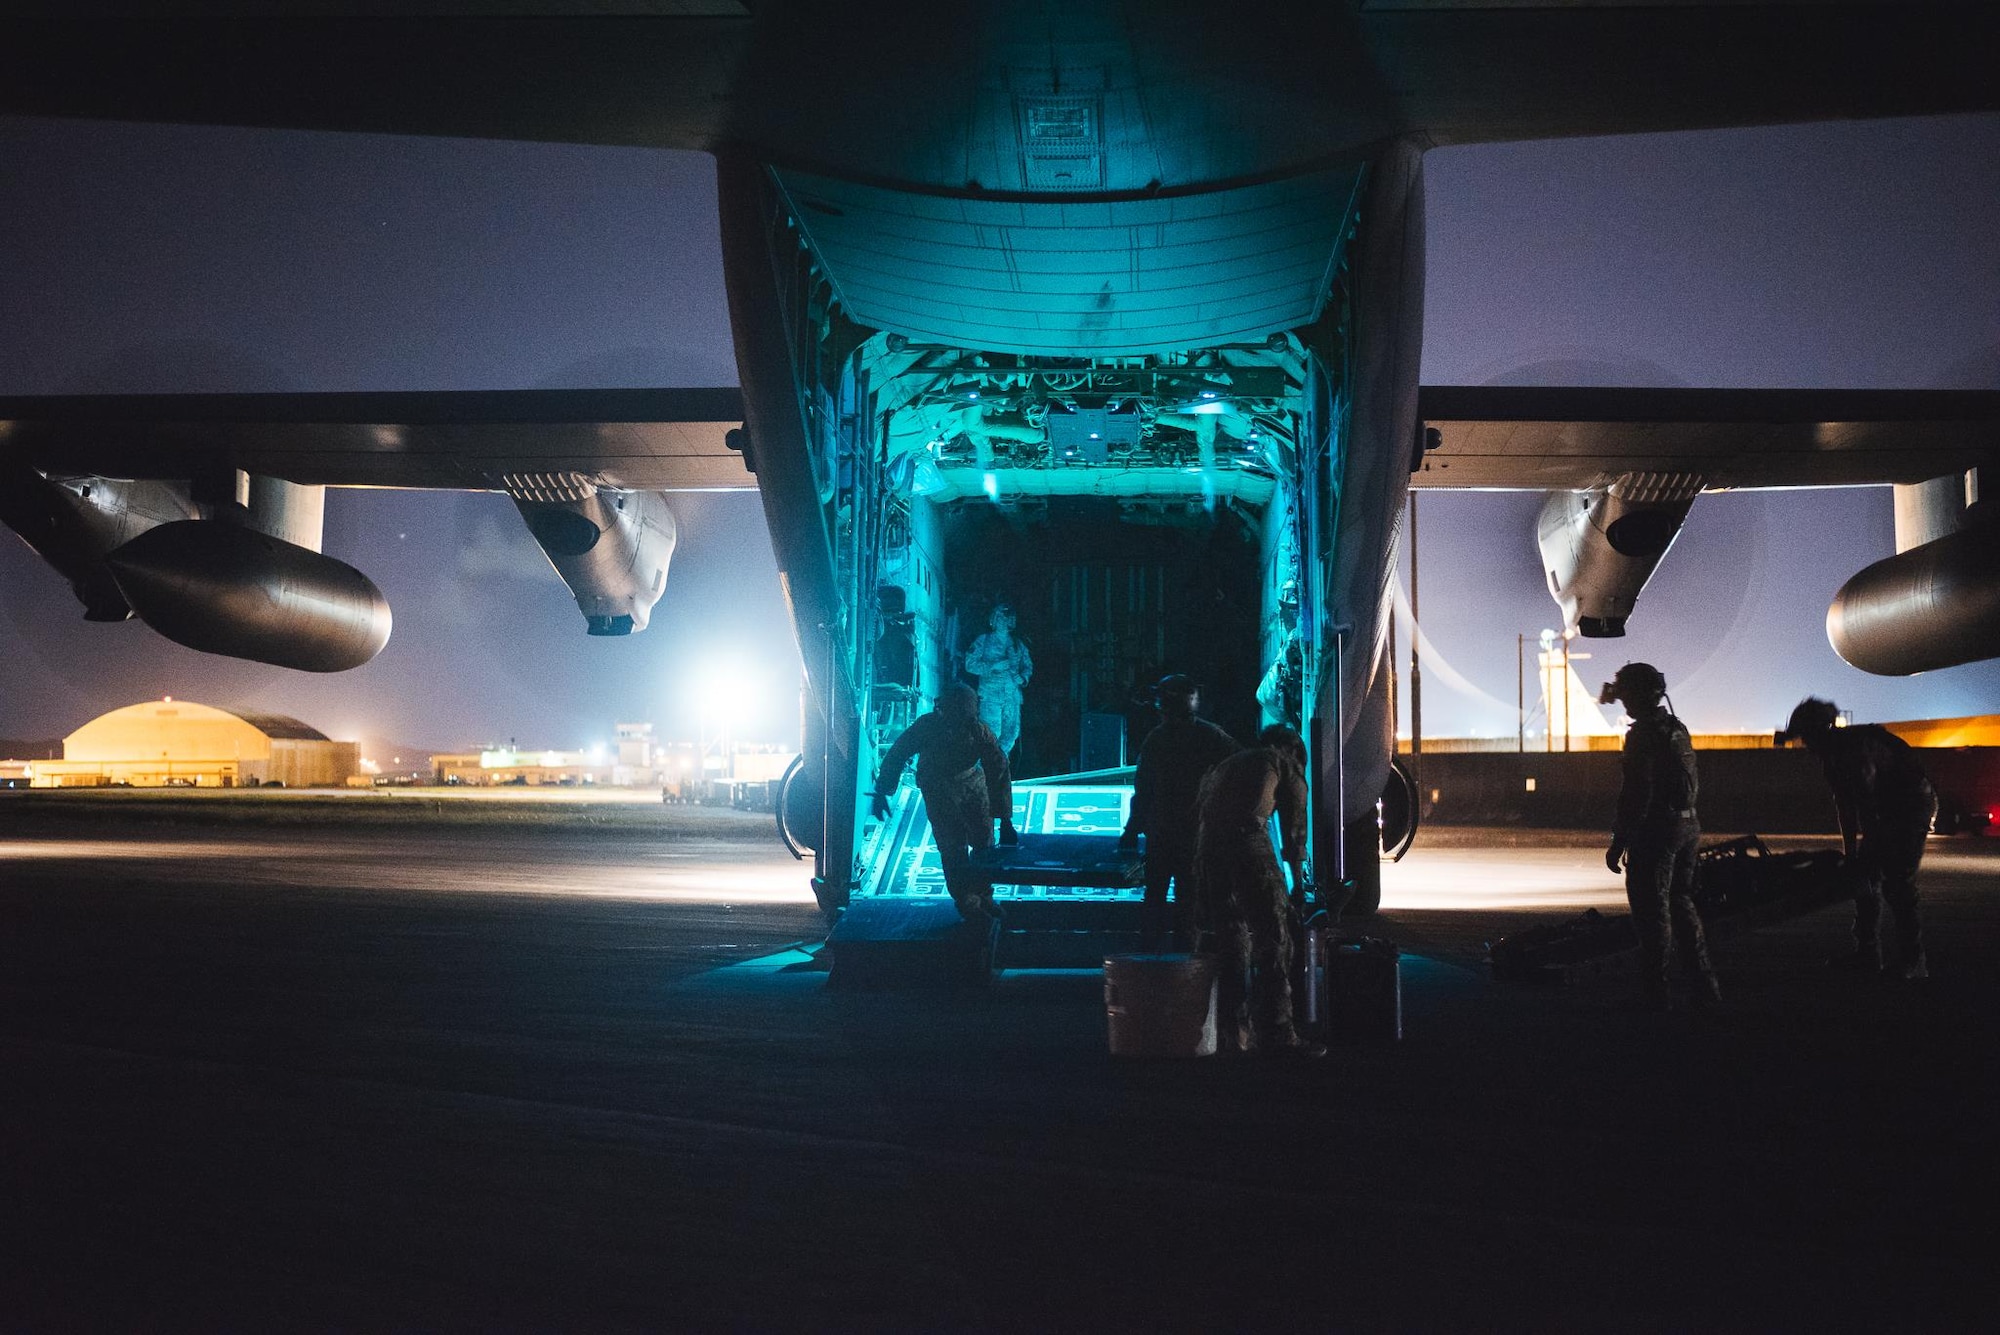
179,744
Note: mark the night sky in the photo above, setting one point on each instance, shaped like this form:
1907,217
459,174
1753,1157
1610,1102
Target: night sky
151,258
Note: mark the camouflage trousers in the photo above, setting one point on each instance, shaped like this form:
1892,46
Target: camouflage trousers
960,825
1000,710
1243,905
1887,861
1659,885
1169,862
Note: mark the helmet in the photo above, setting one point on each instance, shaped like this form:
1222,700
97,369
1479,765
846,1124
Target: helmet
958,701
1175,693
1281,738
1634,684
1810,717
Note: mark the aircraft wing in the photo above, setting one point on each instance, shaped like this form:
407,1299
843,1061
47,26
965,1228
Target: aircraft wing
624,439
879,90
568,74
1555,439
1470,71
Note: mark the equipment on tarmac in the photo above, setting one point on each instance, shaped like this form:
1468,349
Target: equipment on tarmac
1739,885
1160,1005
1360,988
1351,986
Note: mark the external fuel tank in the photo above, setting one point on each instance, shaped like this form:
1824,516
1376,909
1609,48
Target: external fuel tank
1934,606
222,588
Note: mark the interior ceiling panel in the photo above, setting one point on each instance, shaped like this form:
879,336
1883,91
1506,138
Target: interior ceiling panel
1077,277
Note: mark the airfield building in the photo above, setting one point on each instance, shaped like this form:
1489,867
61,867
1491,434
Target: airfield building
180,744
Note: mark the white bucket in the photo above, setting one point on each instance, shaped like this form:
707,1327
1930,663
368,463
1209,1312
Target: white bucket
1160,1005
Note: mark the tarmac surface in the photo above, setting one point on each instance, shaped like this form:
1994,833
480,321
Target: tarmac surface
338,1073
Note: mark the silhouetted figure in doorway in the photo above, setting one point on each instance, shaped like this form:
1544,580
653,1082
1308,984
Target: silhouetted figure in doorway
962,773
1173,760
1002,664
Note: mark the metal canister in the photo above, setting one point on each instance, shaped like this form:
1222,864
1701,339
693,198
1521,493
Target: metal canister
1312,970
1364,988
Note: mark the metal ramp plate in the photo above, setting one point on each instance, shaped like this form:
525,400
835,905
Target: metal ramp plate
1070,894
1087,860
894,942
1063,826
1090,915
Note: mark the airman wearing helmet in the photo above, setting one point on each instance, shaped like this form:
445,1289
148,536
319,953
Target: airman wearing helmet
1656,834
1885,804
1174,758
962,773
1003,666
1242,894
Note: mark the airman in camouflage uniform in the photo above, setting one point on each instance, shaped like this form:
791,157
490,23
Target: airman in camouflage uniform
1003,666
1176,757
1886,805
1657,834
962,773
1240,890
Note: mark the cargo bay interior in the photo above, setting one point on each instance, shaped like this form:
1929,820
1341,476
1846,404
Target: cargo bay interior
1146,470
1129,511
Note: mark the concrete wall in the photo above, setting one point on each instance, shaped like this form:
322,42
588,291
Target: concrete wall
307,764
1766,792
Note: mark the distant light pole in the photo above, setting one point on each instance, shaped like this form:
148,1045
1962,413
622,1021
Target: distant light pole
715,737
1547,660
1565,692
1521,694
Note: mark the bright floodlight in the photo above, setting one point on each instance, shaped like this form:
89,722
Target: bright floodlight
729,693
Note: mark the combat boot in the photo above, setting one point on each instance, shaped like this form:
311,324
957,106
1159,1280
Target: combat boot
1917,969
1291,1044
1708,991
978,914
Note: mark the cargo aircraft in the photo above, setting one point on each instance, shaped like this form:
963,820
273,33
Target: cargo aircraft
1112,311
